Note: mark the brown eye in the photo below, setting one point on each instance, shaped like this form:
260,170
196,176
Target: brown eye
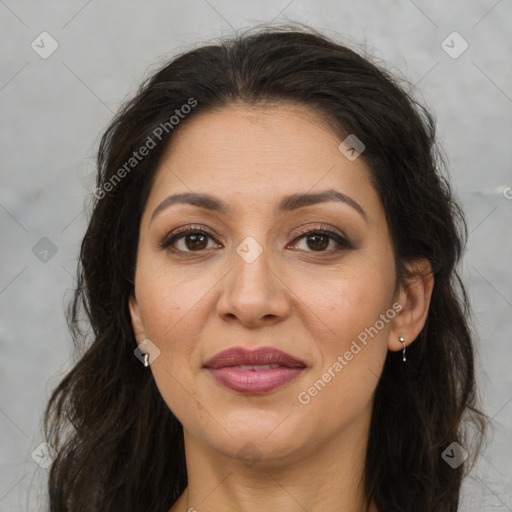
188,240
192,240
318,240
196,241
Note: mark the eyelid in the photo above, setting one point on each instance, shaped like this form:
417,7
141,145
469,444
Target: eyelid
320,227
184,230
335,234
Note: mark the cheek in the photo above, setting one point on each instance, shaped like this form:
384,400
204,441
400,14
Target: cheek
353,349
348,299
174,307
167,299
341,388
171,308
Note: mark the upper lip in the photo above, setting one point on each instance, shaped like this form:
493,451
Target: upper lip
238,356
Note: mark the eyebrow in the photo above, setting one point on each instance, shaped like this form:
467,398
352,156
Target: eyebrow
286,204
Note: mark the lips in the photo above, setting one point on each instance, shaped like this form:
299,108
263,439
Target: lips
254,372
241,357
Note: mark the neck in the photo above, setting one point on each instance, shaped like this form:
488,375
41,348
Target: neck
317,479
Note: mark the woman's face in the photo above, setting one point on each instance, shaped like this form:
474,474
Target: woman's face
254,280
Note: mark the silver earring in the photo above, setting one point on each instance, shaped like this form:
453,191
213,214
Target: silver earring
146,359
401,340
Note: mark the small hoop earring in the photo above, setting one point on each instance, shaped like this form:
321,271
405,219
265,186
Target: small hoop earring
146,359
401,340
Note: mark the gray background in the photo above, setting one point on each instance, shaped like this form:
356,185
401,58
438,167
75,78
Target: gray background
54,110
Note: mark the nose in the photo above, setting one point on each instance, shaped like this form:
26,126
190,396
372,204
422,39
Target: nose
253,293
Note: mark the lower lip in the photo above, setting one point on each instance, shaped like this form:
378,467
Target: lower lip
254,381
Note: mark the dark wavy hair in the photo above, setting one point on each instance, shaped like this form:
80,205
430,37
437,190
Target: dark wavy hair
119,446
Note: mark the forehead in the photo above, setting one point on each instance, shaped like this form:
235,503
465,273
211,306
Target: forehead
270,132
253,155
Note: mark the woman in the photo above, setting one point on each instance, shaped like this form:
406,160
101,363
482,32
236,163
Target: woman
270,276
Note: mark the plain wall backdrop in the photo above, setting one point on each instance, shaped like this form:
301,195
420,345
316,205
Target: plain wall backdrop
67,67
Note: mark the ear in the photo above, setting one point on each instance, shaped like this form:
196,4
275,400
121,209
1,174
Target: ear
414,296
137,324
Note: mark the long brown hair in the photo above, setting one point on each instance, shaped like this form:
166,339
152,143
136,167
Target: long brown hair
119,446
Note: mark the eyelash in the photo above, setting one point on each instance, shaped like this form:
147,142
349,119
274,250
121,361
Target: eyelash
182,232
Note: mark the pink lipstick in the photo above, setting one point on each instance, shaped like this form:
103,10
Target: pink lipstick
254,371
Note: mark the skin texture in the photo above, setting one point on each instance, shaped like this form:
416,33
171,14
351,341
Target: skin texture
294,297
